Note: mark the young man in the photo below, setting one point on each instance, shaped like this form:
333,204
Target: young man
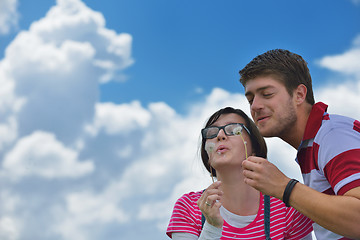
279,89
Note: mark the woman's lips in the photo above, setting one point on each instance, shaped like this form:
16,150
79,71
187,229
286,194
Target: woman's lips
221,149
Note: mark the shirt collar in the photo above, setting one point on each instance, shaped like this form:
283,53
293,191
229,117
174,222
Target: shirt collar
314,121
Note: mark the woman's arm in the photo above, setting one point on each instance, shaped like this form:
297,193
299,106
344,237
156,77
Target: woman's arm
208,232
183,236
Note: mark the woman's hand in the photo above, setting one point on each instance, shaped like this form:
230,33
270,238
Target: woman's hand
209,204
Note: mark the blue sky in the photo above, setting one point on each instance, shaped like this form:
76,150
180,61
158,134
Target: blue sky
102,102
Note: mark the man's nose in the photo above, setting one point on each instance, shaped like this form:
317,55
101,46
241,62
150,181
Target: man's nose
256,104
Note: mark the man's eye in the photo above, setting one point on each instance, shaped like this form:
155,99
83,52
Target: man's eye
267,94
250,99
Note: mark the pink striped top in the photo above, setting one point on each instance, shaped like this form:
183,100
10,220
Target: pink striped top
285,223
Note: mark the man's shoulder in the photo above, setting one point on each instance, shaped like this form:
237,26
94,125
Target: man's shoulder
337,123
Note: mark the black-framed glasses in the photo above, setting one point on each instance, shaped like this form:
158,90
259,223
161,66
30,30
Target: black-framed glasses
229,129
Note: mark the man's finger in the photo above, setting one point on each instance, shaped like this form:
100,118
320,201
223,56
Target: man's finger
249,165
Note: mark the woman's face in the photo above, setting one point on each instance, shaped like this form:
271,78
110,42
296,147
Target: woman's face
225,150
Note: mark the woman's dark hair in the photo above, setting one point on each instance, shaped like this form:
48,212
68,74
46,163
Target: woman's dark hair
257,141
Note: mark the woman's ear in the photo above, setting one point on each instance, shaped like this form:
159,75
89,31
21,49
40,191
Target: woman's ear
300,94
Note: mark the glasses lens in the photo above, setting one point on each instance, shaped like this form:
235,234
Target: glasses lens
233,129
211,132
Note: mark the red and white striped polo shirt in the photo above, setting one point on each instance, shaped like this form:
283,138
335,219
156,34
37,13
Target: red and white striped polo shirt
329,156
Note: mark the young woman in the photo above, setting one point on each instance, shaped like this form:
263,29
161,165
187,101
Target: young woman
233,209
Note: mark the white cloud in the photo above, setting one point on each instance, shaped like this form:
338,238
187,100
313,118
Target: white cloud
8,131
346,63
118,119
166,157
9,228
342,95
10,225
9,106
85,211
50,78
40,154
9,202
53,69
8,15
8,102
72,19
283,156
342,98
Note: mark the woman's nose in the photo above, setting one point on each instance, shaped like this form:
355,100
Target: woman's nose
221,135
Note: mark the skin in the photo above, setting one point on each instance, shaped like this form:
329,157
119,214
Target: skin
230,191
275,112
270,106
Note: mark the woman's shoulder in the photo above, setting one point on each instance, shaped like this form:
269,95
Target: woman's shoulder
188,203
190,197
276,205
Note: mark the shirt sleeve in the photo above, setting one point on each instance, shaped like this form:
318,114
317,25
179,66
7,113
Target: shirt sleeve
339,155
186,216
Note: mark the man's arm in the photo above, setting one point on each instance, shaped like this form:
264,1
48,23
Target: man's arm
339,214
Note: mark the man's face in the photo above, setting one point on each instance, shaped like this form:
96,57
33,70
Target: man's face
272,108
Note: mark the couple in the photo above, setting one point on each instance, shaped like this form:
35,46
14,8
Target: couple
279,90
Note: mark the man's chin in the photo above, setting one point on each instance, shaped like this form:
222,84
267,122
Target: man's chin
266,133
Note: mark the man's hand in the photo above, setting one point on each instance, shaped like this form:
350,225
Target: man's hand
264,176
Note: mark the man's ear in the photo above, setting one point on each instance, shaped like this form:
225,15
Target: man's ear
300,94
